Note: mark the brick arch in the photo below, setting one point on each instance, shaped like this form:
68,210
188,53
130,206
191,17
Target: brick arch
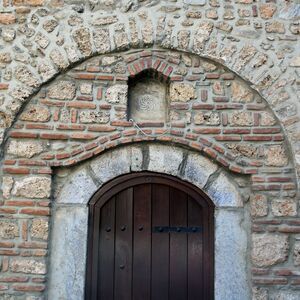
59,127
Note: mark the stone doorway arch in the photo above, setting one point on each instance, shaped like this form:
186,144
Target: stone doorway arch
70,219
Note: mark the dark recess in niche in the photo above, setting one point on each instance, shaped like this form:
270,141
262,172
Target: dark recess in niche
148,97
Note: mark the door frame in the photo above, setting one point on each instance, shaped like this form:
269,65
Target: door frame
122,182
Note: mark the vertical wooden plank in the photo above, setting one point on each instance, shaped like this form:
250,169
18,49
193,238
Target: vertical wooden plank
95,257
123,245
195,252
178,246
142,242
107,251
160,243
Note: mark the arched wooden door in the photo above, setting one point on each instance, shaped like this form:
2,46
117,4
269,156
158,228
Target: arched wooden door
150,237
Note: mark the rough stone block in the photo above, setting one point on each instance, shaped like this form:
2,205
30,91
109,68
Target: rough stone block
276,156
36,113
241,119
69,236
224,193
28,266
117,94
182,92
198,169
164,159
33,187
231,254
62,90
269,249
26,149
8,229
284,207
77,189
240,93
39,229
259,205
7,184
296,253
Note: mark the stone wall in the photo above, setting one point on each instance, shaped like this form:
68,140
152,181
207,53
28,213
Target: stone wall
231,96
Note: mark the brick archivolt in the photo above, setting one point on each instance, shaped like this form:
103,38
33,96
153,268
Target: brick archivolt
55,44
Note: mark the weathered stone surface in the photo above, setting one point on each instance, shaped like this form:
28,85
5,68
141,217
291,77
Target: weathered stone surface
224,193
78,188
86,88
284,207
69,235
295,62
36,113
98,117
241,119
286,295
105,20
198,169
46,71
230,254
8,34
259,205
121,37
201,37
259,293
208,118
39,229
82,37
147,32
117,94
267,10
63,90
7,184
28,266
240,93
275,27
269,249
246,150
58,59
112,164
26,149
33,187
50,25
8,229
147,101
24,75
101,40
183,39
276,156
296,253
164,159
182,92
267,119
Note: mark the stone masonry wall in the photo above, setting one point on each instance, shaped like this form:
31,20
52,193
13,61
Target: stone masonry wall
212,109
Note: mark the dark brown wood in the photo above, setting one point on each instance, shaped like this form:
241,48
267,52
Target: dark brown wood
142,244
160,243
178,246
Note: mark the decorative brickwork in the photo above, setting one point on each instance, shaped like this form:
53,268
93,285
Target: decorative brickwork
232,97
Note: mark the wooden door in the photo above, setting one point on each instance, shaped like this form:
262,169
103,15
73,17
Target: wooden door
150,237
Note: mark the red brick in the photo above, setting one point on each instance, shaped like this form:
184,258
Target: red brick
39,126
105,77
270,281
35,211
79,104
257,138
16,170
14,279
220,99
207,130
114,136
23,162
4,86
20,134
90,146
130,132
9,162
150,124
70,127
83,136
6,245
85,76
236,131
19,203
229,106
179,106
54,136
53,103
212,76
62,155
9,252
99,93
7,210
105,106
30,245
203,106
121,123
266,130
29,288
84,98
228,138
73,115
